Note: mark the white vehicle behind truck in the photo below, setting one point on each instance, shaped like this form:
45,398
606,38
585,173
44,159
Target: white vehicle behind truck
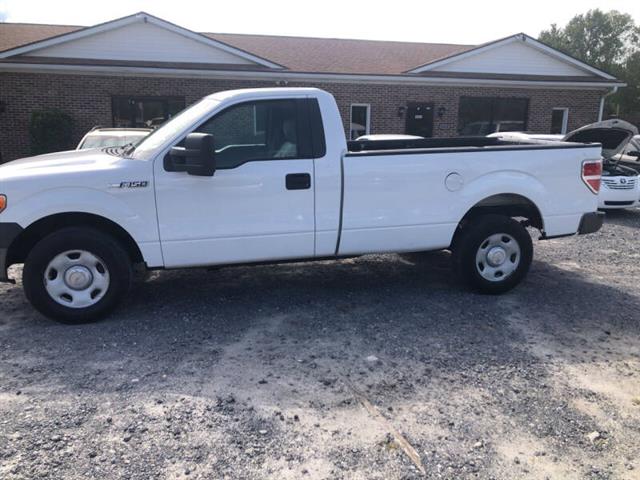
266,175
630,156
99,137
620,182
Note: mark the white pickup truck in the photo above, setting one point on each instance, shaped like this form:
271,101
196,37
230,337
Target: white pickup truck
266,175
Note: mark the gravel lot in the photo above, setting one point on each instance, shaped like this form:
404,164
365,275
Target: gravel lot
321,370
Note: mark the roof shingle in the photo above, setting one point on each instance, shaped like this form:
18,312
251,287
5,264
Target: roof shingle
16,34
332,55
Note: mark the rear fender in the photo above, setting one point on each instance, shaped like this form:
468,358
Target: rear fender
504,182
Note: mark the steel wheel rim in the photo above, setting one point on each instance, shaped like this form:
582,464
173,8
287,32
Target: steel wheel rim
498,256
76,279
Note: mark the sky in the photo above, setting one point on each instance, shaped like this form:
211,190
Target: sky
454,21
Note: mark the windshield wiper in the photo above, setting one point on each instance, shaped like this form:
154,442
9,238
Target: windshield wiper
128,148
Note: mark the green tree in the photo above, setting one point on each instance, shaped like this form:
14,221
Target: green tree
602,39
609,41
626,102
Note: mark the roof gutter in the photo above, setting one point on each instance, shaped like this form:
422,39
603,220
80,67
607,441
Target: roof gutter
602,99
279,75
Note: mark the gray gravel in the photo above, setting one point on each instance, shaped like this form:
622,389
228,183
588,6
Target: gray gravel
254,373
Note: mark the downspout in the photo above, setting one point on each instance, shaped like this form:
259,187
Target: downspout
601,110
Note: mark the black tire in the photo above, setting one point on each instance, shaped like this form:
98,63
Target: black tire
116,261
471,238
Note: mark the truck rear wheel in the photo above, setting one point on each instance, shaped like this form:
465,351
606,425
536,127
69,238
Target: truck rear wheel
76,275
493,253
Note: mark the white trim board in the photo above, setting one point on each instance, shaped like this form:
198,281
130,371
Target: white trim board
277,76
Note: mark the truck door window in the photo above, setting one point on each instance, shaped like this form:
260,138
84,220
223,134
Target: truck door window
262,130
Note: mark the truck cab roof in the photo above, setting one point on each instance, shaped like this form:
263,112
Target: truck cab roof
253,93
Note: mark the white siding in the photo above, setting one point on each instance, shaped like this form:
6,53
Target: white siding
512,58
143,42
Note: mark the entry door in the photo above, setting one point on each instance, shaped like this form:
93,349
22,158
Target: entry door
420,119
258,206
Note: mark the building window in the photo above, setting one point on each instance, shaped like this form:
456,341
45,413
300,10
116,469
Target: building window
360,120
559,120
480,116
136,112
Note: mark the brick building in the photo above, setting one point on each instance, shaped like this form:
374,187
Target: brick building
139,70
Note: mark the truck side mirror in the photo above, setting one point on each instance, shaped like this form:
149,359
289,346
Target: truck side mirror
197,157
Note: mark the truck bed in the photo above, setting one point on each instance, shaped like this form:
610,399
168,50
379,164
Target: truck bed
409,195
453,144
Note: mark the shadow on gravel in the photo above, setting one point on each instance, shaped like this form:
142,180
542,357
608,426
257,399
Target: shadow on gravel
623,217
455,365
406,301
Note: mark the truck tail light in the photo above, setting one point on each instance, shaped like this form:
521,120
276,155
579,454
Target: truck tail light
3,202
591,174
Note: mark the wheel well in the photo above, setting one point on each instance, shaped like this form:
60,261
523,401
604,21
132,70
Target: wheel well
35,232
507,204
510,205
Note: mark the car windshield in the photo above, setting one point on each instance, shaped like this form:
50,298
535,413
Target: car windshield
168,130
633,145
101,141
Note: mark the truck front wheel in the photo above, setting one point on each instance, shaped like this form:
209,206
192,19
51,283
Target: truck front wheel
76,275
493,253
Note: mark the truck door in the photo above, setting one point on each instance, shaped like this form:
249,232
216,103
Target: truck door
420,119
259,205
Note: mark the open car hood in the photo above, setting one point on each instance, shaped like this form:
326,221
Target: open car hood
612,134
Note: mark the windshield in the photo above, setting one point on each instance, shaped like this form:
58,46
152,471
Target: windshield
99,141
175,126
633,145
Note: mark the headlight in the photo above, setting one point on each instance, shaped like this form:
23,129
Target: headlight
3,203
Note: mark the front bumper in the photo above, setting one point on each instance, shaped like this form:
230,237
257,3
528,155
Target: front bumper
8,233
618,205
609,198
591,222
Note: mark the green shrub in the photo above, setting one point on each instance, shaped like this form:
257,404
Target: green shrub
50,131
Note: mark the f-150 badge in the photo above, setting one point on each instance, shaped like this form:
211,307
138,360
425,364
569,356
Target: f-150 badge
137,184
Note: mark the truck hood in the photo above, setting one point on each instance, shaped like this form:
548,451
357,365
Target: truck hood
612,134
72,161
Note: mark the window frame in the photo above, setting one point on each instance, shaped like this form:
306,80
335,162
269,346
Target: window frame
303,132
565,119
165,99
255,122
367,126
493,102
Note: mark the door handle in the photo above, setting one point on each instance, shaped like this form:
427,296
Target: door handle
298,181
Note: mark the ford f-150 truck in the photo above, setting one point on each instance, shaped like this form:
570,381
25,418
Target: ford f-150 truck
266,175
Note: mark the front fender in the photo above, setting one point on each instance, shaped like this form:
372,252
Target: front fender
131,209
